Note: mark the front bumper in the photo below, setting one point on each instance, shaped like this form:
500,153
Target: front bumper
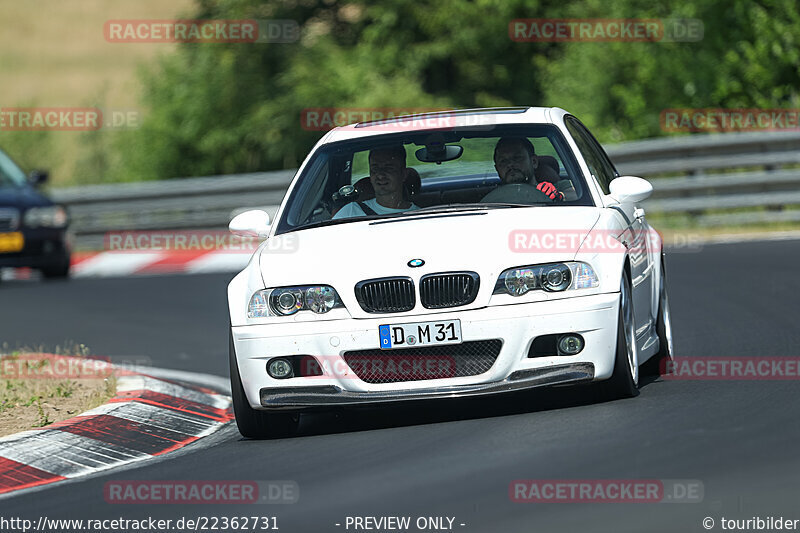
333,396
43,248
594,317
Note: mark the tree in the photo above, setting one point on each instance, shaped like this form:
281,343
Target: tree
225,108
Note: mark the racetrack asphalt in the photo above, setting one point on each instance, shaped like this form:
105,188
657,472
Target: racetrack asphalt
457,458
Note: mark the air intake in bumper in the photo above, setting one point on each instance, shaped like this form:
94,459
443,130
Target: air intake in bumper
469,358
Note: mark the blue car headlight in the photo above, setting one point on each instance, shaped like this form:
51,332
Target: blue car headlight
53,216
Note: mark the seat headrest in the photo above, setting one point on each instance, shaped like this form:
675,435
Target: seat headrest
550,161
547,169
365,190
413,182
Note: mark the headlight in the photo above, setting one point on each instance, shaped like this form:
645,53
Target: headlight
321,299
53,216
556,278
286,301
551,277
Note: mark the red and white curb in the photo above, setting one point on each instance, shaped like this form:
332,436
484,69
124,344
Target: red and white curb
126,263
148,417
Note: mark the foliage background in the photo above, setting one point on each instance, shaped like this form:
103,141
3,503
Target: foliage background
224,108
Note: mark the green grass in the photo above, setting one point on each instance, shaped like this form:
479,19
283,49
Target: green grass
32,398
54,54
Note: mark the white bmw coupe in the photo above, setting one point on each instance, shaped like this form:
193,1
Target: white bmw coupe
443,255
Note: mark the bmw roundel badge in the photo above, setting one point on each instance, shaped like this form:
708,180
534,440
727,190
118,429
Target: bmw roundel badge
416,263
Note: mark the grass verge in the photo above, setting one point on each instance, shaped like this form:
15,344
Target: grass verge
37,389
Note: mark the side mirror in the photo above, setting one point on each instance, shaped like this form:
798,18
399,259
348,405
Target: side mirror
630,189
253,223
38,177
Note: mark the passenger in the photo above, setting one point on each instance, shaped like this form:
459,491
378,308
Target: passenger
387,175
516,162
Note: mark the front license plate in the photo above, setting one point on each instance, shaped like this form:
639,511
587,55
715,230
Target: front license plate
419,334
11,242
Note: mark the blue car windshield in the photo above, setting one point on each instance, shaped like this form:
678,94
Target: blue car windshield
10,174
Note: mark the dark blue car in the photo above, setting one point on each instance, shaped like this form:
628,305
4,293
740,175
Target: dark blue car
33,229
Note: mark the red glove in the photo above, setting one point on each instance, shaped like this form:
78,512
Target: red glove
550,190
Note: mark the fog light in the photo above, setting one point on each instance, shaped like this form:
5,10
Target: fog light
570,344
279,369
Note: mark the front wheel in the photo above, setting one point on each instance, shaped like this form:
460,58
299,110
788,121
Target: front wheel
57,270
252,423
660,363
624,382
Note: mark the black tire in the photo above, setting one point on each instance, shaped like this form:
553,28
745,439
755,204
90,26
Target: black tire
59,270
252,423
658,365
621,384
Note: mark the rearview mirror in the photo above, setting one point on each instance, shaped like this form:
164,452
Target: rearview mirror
439,152
630,189
253,223
38,177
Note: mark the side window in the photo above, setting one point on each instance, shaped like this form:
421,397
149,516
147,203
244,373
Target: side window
606,163
310,191
360,166
10,173
596,159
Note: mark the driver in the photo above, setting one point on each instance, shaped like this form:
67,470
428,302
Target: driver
516,162
387,174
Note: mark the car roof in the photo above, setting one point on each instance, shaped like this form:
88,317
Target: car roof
446,119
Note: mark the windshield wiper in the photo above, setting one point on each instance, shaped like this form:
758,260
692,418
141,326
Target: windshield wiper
455,207
333,222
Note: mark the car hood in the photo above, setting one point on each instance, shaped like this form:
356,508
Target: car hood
22,197
482,241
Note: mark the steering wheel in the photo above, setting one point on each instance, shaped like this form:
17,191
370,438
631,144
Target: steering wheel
516,193
346,193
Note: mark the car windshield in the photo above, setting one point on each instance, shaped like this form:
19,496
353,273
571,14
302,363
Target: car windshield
10,174
410,173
